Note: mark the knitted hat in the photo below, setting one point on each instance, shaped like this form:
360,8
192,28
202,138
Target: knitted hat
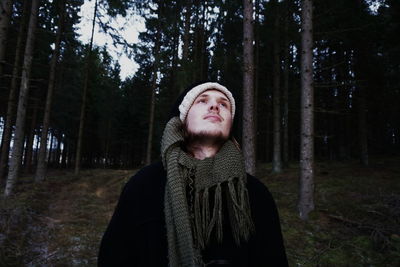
195,91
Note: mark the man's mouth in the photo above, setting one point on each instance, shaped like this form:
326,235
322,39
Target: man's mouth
213,118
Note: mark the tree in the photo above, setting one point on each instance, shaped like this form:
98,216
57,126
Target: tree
248,138
277,148
6,139
153,100
22,102
306,190
30,133
84,96
5,14
41,166
285,89
185,47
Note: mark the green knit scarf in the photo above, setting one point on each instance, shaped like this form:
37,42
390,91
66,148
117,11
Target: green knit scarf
191,218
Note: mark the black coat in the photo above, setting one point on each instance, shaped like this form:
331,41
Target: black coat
136,235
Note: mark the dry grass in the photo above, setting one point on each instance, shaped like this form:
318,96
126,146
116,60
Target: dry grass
64,218
357,216
356,222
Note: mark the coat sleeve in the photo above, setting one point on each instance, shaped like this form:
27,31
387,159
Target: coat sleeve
266,245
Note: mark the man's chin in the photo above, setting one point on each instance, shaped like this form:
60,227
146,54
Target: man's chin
206,137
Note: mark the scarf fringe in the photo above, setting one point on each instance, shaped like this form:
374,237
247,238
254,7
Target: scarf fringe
240,217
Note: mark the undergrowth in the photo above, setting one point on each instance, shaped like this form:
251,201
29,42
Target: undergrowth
356,219
60,222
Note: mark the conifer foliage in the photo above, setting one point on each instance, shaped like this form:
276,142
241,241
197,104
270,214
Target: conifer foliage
355,55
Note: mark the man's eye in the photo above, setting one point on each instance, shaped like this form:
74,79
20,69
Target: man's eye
223,104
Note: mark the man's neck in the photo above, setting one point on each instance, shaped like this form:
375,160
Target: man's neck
202,151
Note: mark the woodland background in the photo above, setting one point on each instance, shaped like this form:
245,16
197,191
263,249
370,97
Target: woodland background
96,125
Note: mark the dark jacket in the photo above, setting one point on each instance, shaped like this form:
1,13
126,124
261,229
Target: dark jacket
136,235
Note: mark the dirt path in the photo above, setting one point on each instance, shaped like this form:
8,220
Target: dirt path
79,212
59,222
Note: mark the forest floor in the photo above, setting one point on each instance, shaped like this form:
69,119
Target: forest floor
356,221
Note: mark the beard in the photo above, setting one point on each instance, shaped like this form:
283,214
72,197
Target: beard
203,137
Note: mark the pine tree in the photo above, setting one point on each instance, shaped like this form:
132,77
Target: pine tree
22,102
248,138
277,148
84,96
41,166
306,190
10,115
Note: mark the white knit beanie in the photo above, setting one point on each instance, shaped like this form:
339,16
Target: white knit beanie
189,98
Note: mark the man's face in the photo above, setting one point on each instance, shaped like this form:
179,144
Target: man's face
210,116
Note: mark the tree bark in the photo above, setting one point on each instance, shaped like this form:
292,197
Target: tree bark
58,151
285,93
7,133
42,164
186,37
256,67
277,151
185,48
84,96
64,153
5,15
149,147
248,139
362,127
50,147
22,101
306,190
31,137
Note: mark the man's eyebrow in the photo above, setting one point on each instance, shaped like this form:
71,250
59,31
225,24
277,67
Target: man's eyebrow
220,98
203,95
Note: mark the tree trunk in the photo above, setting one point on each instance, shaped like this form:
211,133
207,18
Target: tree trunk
197,70
362,127
22,101
186,35
71,150
42,164
5,15
58,151
248,140
7,133
176,84
50,147
277,151
149,147
285,93
84,96
203,40
31,137
64,153
256,68
306,192
153,98
185,48
268,138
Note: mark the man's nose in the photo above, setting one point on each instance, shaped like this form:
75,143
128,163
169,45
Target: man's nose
214,106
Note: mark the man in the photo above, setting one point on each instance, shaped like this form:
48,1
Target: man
198,207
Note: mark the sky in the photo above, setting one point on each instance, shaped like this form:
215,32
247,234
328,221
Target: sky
131,25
